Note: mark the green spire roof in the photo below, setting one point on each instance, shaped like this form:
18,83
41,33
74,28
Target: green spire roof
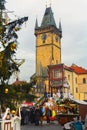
2,2
48,18
36,24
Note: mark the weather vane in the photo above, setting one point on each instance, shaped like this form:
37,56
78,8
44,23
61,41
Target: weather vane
46,3
49,2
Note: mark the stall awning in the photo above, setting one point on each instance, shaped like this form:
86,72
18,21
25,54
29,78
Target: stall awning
79,101
27,104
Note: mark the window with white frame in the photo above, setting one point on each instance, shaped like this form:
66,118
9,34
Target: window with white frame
57,73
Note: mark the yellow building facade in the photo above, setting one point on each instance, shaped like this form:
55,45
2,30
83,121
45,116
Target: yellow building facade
70,82
77,80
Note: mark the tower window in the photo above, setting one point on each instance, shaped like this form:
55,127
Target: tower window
56,61
56,38
43,41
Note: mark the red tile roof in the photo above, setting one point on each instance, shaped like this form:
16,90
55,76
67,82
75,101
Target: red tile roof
68,68
78,69
18,82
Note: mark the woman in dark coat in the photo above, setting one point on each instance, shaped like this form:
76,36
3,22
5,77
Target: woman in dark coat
32,115
37,115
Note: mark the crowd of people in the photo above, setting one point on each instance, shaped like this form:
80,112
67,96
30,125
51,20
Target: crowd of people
36,115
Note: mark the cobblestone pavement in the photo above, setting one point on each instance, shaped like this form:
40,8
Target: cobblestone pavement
51,126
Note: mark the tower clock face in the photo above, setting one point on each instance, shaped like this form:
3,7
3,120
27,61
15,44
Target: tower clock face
44,36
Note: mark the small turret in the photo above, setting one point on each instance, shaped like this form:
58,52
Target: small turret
60,28
36,24
2,6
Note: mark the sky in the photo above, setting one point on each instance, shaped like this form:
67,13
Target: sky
73,16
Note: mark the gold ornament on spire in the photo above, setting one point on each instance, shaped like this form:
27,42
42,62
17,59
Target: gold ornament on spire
46,3
50,3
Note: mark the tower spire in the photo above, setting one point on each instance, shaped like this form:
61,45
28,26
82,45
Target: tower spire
2,7
50,2
36,24
48,18
60,28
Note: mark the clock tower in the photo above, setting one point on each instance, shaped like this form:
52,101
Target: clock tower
48,47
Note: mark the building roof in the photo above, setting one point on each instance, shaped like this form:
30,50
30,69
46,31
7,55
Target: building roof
47,22
72,68
79,101
78,69
18,82
48,18
67,68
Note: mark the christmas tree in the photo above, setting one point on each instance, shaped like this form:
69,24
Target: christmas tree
8,43
8,47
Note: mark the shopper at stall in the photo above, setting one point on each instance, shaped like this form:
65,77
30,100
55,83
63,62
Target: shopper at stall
37,115
48,114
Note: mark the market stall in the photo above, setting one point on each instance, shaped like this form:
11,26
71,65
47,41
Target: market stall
68,109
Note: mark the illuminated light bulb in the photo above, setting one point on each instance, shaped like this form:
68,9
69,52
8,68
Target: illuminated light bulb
6,90
13,47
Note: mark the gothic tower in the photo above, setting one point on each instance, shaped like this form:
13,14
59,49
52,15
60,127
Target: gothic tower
48,47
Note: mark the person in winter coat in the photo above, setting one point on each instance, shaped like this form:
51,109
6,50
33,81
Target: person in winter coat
23,115
42,110
52,118
37,115
32,115
48,114
86,121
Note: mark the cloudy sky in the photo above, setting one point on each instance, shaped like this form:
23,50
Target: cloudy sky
73,15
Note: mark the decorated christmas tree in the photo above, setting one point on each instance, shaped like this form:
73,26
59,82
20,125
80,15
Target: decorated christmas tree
8,43
8,47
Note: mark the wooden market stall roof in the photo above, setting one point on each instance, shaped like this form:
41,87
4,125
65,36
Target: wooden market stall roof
79,101
82,108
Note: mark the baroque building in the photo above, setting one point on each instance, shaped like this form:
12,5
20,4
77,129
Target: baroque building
70,81
77,80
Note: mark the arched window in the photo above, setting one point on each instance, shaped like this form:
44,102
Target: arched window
84,80
76,80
